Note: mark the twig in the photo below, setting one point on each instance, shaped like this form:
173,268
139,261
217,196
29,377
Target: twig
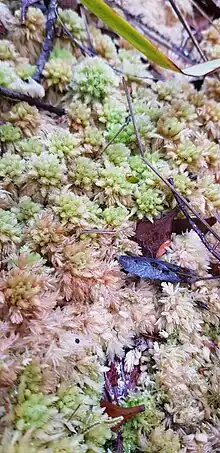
146,28
140,146
117,133
194,226
97,231
187,28
203,13
83,15
24,6
48,41
91,53
32,101
85,50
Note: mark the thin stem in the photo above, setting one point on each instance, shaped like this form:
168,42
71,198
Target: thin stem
48,41
195,227
187,28
83,15
203,13
32,101
140,146
117,133
166,42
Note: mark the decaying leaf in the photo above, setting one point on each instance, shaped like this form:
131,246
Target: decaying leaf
117,411
152,236
156,269
181,225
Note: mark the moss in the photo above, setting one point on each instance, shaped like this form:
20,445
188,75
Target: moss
143,423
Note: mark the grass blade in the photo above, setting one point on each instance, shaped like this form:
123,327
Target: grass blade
128,32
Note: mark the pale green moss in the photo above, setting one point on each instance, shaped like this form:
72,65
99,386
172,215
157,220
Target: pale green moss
115,216
141,424
73,22
9,228
26,209
84,172
63,144
46,170
30,146
9,133
150,202
117,154
12,168
161,441
94,79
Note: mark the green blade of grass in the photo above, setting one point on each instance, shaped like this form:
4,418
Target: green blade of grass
124,29
128,32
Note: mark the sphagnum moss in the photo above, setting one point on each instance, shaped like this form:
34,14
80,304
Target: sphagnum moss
69,206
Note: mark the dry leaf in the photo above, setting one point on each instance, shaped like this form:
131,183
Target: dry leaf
182,225
117,411
152,236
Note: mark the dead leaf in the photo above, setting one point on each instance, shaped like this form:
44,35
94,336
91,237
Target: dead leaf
182,225
215,269
117,411
151,236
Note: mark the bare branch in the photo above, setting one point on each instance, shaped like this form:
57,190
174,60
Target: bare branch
140,146
194,226
32,101
48,42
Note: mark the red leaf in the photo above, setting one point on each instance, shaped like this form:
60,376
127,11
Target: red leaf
117,411
151,236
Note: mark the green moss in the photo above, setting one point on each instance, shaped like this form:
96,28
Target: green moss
143,423
9,133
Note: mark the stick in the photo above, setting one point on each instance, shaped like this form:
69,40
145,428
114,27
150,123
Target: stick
194,226
32,101
48,41
187,28
127,121
140,146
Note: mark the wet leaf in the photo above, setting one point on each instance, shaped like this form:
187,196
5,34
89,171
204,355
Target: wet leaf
141,43
152,236
155,269
117,411
182,225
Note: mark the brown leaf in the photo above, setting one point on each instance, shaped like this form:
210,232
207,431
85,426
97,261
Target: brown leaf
215,269
117,411
182,225
151,236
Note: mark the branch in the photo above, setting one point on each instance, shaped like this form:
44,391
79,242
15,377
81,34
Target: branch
48,41
187,28
32,101
140,146
194,226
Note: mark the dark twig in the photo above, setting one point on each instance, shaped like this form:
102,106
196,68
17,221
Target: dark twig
194,226
140,146
203,13
32,101
48,41
85,50
158,37
83,15
24,6
187,28
91,53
